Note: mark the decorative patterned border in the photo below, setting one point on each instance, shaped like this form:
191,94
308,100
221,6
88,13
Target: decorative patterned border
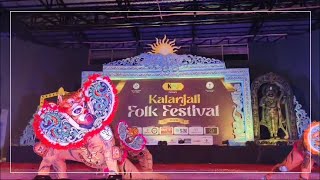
28,137
241,75
238,124
150,66
86,74
136,73
303,120
171,62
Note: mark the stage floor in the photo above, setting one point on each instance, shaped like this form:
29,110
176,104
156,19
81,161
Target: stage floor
172,171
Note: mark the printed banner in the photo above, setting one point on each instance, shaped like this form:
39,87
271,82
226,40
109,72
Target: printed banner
168,108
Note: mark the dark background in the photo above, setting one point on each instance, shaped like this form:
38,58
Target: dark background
40,64
38,70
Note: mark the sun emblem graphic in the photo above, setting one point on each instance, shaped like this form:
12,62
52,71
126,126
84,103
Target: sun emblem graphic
164,46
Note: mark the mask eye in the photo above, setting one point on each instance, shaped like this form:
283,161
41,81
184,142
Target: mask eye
71,101
76,111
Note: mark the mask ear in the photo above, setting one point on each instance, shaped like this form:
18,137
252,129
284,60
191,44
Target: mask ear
59,99
79,93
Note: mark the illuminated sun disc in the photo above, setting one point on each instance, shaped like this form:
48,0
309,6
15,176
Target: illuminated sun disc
164,46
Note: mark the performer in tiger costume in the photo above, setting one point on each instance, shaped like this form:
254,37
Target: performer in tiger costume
78,128
305,153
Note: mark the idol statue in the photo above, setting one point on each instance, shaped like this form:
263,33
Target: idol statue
78,128
271,113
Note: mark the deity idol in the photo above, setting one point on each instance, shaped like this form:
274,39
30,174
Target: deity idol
272,116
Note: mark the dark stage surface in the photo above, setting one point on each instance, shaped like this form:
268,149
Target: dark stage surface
172,171
251,154
178,162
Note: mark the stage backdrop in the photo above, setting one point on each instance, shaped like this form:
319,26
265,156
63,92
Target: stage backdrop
183,104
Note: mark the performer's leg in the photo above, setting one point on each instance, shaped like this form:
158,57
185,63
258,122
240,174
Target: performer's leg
60,166
46,154
112,164
44,168
127,168
293,160
145,160
47,161
306,167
